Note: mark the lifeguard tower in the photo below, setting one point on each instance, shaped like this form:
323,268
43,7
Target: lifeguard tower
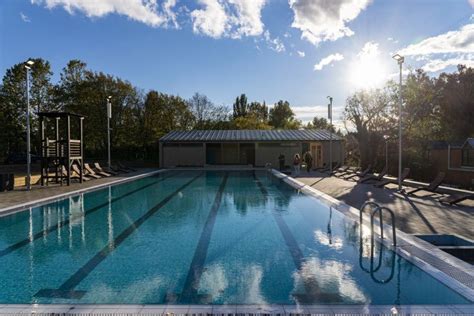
61,149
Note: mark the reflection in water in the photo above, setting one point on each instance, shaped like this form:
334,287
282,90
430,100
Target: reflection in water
328,239
76,217
247,280
110,220
332,276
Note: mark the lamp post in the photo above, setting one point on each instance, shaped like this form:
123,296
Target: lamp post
386,150
109,116
400,59
28,66
330,132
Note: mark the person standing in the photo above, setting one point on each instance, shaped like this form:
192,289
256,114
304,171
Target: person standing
296,164
309,161
281,159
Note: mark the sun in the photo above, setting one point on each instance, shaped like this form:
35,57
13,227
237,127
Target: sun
367,70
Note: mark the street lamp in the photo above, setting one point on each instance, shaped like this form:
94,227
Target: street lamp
28,66
400,59
386,137
109,116
330,132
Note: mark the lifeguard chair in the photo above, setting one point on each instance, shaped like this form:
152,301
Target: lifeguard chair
59,148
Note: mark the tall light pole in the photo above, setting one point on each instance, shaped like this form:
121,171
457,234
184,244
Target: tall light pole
400,59
109,116
330,132
386,150
28,66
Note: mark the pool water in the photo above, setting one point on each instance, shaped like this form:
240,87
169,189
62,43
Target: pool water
201,237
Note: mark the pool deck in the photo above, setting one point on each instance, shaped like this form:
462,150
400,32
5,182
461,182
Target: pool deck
416,214
19,197
240,310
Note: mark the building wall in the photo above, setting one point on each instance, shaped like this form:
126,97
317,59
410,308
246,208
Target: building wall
269,153
337,152
455,174
182,155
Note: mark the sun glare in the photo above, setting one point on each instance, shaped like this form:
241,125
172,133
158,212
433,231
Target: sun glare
367,70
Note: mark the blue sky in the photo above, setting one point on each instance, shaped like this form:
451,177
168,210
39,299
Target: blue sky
296,50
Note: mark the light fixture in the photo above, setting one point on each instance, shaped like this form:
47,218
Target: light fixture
399,58
29,64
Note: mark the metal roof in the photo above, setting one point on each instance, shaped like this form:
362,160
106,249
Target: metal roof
248,135
469,141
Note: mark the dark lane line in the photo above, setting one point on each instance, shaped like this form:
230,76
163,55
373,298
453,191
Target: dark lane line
66,290
191,285
312,289
51,229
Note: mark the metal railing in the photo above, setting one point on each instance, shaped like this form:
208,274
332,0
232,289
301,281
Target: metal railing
373,269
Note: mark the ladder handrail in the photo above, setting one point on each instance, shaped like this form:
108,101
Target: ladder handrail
361,211
394,234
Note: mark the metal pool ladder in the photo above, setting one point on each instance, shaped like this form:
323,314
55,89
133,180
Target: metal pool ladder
377,209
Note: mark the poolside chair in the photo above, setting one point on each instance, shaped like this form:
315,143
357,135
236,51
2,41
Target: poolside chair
339,170
384,182
125,167
351,170
360,174
101,170
432,186
90,173
117,169
75,173
372,177
456,198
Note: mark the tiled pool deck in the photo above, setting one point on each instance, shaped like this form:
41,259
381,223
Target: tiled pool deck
240,310
449,270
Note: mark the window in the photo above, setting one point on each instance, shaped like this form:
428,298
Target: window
467,159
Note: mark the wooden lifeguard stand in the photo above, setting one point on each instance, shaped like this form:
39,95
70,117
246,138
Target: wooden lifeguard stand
58,150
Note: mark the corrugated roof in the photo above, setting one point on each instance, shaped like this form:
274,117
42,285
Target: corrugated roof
248,135
469,141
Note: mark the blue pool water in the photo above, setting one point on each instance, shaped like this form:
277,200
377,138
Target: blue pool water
198,237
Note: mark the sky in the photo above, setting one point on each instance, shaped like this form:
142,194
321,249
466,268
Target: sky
296,50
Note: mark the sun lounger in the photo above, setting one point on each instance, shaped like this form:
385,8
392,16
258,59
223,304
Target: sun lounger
101,170
125,167
117,169
339,170
89,172
432,186
75,173
372,177
360,174
384,182
456,198
351,170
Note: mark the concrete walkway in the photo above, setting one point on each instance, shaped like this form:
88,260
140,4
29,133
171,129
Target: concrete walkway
420,214
21,196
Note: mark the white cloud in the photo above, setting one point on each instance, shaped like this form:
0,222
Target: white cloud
274,43
144,11
471,2
328,60
212,20
460,41
24,17
307,113
370,50
229,18
436,65
323,20
300,53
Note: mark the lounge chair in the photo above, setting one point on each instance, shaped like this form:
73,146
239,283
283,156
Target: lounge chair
90,173
372,177
432,186
360,174
339,170
99,172
105,170
125,167
456,198
117,169
351,170
75,173
384,182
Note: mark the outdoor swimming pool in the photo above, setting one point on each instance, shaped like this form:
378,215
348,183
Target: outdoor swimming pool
200,237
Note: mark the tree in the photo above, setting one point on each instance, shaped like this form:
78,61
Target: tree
281,116
206,114
259,111
370,112
320,123
240,106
